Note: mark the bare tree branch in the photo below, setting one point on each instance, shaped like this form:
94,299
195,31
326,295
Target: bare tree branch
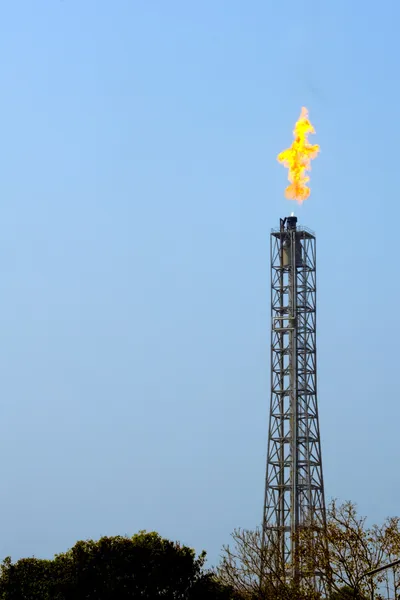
342,554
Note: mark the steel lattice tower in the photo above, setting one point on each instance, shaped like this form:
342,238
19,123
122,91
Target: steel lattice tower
294,492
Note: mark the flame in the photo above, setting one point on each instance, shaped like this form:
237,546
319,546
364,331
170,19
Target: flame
298,158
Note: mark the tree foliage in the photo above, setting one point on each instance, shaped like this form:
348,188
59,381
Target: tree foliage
343,553
251,569
145,566
354,549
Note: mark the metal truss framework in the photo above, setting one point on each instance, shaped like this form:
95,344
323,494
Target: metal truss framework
294,493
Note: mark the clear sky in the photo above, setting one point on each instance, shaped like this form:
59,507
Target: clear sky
138,187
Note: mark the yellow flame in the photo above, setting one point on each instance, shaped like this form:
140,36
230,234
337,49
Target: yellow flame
298,158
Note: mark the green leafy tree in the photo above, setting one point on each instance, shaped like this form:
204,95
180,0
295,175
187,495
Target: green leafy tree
28,578
346,593
145,566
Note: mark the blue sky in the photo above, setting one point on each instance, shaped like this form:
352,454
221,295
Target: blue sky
138,187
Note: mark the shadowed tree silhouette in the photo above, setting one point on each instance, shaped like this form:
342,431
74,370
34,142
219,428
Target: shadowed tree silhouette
145,566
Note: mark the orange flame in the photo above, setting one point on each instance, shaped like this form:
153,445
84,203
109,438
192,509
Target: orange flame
298,158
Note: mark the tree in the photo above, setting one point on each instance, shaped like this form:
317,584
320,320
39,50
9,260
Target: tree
28,578
145,566
355,549
351,547
345,593
251,569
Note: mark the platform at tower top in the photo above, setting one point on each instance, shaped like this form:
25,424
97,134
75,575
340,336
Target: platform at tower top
307,233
